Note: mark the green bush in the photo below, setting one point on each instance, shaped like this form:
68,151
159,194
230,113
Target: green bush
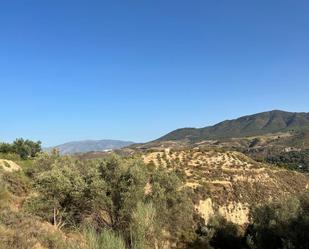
173,206
142,227
110,194
281,224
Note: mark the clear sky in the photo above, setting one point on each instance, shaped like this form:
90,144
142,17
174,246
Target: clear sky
135,70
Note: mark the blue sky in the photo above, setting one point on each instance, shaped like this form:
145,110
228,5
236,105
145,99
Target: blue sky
135,70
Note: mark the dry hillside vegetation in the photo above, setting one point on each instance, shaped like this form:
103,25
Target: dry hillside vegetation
229,183
19,229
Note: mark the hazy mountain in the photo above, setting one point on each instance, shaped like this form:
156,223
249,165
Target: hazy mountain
252,125
91,145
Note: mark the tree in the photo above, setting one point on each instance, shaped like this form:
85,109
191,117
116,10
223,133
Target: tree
281,224
24,148
61,190
6,148
173,206
125,187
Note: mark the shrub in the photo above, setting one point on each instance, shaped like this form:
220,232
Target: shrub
225,234
110,194
142,226
281,224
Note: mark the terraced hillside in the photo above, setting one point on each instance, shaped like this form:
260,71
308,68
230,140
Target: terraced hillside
229,183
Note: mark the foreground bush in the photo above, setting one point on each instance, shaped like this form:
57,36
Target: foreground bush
110,195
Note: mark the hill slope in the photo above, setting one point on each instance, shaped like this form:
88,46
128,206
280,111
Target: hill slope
227,182
91,145
252,125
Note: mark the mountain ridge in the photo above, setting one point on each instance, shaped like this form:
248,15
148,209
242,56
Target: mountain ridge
249,125
89,145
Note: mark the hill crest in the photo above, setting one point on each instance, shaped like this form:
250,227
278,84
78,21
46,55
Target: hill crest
249,125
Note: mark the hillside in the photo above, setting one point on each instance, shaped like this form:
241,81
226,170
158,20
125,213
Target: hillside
229,183
91,145
167,196
252,125
223,181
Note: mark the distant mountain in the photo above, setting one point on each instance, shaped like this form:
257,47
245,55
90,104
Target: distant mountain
252,125
91,145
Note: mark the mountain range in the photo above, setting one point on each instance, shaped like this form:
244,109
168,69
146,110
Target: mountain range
91,145
259,124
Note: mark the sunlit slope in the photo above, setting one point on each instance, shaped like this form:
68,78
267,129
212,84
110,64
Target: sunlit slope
229,183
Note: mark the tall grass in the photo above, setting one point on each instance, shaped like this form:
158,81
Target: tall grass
142,226
105,240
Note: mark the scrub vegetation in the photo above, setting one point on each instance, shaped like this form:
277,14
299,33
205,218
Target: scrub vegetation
54,201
